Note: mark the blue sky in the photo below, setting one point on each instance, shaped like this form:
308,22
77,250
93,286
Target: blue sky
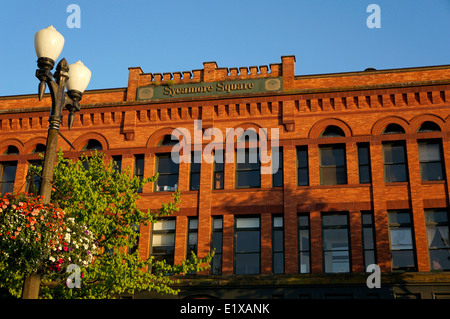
326,36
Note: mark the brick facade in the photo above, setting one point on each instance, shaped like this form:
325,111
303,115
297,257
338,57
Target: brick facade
362,104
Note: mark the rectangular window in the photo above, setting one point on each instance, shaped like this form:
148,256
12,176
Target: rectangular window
368,238
117,159
394,156
139,168
8,171
333,167
168,173
163,240
216,245
277,162
335,243
34,180
401,240
302,166
192,236
304,246
277,245
364,163
247,246
248,168
196,160
218,178
438,238
430,160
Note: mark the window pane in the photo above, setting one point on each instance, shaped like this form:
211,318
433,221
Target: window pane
9,173
247,241
250,222
278,244
440,259
363,155
163,239
166,165
217,242
337,261
164,225
247,264
438,216
394,153
278,263
368,238
334,220
277,179
334,156
303,240
195,181
403,259
438,237
304,262
303,178
431,171
278,222
429,151
369,257
364,174
167,182
335,239
399,218
401,238
395,173
249,179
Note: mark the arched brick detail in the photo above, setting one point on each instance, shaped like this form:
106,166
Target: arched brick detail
83,139
157,136
4,145
380,125
418,120
321,125
246,126
31,144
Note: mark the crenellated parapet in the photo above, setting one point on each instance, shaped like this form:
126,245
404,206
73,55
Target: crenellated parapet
209,74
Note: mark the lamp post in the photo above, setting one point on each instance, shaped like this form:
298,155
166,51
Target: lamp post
48,44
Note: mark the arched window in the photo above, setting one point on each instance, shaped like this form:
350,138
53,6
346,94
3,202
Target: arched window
167,140
11,150
332,131
393,128
40,148
428,126
92,145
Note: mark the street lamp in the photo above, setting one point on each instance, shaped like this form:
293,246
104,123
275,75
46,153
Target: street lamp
48,44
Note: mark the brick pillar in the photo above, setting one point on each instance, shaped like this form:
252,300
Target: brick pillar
204,209
228,245
316,241
418,218
180,239
352,163
356,241
290,210
21,175
266,243
379,207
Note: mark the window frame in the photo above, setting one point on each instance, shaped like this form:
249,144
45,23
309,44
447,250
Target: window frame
242,253
334,168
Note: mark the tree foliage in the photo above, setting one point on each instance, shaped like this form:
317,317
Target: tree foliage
93,192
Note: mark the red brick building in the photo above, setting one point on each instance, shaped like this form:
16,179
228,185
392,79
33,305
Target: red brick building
363,177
